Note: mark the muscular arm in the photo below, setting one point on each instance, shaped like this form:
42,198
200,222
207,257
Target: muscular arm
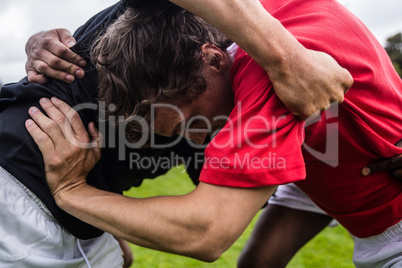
249,25
202,224
306,81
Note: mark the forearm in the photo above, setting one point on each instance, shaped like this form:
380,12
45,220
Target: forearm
259,34
193,225
305,80
152,222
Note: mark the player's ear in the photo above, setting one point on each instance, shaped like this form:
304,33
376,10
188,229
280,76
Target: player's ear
214,57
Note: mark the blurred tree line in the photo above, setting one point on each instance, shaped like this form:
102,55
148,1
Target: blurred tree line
394,50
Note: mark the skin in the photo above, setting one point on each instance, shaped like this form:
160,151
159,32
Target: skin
49,55
306,81
280,231
209,227
392,164
278,235
217,100
128,255
42,61
207,218
296,78
280,75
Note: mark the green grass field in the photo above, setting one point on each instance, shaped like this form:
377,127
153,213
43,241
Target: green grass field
331,248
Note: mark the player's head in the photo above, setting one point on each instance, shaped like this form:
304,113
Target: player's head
154,54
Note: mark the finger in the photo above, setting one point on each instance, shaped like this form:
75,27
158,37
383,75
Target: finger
44,69
43,141
54,114
35,77
49,61
47,125
62,50
348,81
96,139
340,97
312,115
94,134
66,37
397,174
73,117
383,165
399,144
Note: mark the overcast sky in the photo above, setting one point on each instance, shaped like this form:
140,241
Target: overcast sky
22,18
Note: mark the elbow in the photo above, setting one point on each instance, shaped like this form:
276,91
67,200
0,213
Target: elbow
213,253
209,257
208,253
211,243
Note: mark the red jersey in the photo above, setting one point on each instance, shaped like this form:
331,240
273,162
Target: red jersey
262,143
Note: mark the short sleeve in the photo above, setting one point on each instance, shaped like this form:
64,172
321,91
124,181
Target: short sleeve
260,145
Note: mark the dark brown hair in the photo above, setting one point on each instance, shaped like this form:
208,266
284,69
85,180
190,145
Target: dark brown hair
150,54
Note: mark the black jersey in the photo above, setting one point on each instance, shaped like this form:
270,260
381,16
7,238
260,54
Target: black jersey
115,171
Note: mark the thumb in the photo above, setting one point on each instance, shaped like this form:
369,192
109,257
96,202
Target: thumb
66,37
35,77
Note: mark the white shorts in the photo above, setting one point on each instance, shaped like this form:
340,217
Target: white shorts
380,251
31,237
290,196
383,250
